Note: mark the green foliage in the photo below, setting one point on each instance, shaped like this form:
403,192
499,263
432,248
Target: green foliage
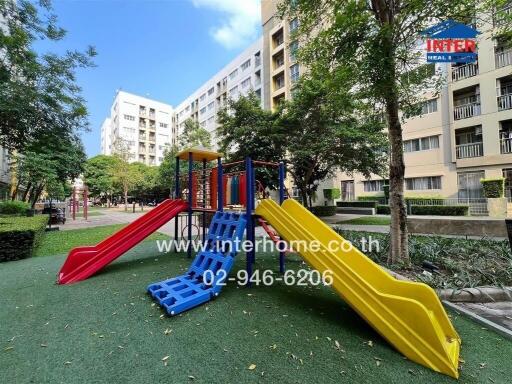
357,204
39,96
99,175
247,130
167,170
440,210
463,263
386,191
377,198
493,187
332,193
13,207
20,236
323,210
194,135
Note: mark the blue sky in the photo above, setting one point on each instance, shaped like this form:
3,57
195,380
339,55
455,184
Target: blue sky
162,49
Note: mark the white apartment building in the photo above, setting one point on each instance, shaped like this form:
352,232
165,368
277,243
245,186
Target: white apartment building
237,78
145,125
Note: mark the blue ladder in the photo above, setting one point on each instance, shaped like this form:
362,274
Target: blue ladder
181,293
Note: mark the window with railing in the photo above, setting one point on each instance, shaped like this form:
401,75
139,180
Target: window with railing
278,38
506,136
257,59
504,92
465,71
279,60
294,73
502,15
469,142
465,106
279,82
469,184
502,55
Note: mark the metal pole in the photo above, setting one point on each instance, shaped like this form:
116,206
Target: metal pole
281,200
204,200
189,248
177,195
73,198
248,212
86,202
220,186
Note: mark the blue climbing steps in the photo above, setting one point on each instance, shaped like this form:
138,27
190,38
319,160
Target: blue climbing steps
209,270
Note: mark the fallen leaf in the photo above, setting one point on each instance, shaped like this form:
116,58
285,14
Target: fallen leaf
252,367
191,377
165,358
370,343
44,345
8,348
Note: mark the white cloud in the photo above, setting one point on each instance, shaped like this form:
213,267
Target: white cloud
240,24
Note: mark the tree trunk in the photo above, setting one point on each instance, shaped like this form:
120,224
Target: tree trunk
37,193
126,199
15,191
25,194
399,250
304,196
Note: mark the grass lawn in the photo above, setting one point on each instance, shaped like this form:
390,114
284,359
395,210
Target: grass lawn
368,220
56,243
107,329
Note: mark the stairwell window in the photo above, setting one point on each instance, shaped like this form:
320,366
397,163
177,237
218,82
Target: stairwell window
294,73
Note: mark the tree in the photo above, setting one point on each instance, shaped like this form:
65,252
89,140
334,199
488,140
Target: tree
376,41
247,130
125,176
167,170
323,135
145,179
39,96
100,177
194,135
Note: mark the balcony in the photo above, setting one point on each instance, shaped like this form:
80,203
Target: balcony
257,61
142,137
505,102
152,151
468,110
506,145
464,71
142,149
500,20
152,139
502,57
464,151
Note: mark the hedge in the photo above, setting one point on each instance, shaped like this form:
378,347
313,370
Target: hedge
323,210
493,187
13,207
379,199
362,204
440,210
332,193
20,236
383,210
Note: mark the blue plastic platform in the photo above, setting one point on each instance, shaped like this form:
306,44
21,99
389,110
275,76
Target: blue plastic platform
181,293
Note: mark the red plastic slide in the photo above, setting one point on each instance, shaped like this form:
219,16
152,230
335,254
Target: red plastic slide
83,262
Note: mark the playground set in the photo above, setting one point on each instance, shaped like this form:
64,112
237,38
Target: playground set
408,315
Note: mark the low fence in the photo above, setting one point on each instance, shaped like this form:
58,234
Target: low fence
477,206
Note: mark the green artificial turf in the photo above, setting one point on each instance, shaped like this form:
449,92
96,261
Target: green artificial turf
370,220
107,329
58,242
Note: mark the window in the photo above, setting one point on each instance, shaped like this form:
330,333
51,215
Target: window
421,144
373,185
294,46
246,64
294,24
429,106
233,74
210,91
294,73
211,120
129,130
246,82
469,184
211,105
163,125
203,96
129,117
203,123
423,183
233,91
202,110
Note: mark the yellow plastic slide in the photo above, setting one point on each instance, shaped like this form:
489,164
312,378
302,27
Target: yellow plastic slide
408,315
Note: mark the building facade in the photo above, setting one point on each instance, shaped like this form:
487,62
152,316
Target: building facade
142,124
243,74
463,134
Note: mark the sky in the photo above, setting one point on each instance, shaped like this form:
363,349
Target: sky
161,49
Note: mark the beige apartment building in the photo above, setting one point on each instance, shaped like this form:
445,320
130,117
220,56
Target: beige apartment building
463,134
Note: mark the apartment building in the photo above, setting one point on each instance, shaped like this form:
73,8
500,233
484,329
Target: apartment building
463,134
145,126
241,75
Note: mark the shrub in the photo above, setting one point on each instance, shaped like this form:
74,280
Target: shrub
379,199
358,204
493,187
15,207
386,191
431,200
323,210
383,210
20,236
440,210
332,193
